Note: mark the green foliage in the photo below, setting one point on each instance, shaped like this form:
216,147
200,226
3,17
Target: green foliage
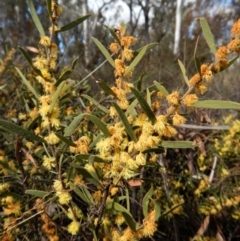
118,167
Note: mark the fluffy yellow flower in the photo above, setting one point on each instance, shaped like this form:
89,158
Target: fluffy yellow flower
128,235
45,73
115,235
55,28
178,119
45,41
113,191
89,168
119,220
52,139
159,126
76,211
190,99
4,187
57,185
141,159
128,54
49,87
120,67
194,80
40,63
49,162
173,98
235,30
149,225
201,88
63,197
12,208
73,227
114,47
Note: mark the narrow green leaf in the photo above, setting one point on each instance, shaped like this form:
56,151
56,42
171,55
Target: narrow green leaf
70,173
106,88
145,201
136,61
57,216
13,128
139,82
96,140
56,96
91,73
32,124
81,157
198,65
157,209
96,103
111,30
130,221
161,88
63,76
65,140
148,97
94,158
104,51
35,18
149,46
177,144
217,104
183,71
158,150
74,62
196,59
231,61
74,23
127,199
171,209
125,122
101,126
49,7
144,105
3,86
90,177
26,55
80,193
127,215
73,125
29,60
87,194
208,34
131,109
90,158
26,82
37,193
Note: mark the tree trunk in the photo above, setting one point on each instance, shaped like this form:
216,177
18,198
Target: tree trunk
178,27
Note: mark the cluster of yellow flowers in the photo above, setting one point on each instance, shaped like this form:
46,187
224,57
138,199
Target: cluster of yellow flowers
198,82
11,210
5,63
48,227
215,205
146,230
229,146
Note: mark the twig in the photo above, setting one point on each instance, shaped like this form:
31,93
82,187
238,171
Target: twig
102,207
165,184
213,169
197,127
206,221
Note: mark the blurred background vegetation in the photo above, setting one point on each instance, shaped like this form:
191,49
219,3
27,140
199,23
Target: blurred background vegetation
150,21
